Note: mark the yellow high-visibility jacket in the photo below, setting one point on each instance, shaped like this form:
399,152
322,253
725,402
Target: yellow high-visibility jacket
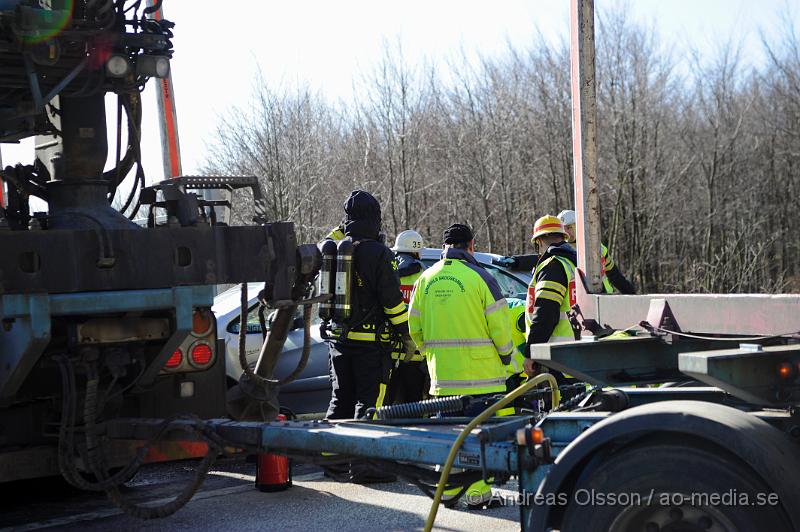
460,321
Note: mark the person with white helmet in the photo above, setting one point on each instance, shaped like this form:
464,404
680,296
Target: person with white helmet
612,276
408,381
407,247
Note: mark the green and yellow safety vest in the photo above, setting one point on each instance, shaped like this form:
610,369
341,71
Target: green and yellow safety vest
607,263
459,319
336,234
407,287
516,311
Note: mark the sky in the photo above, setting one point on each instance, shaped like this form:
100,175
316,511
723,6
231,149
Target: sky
329,45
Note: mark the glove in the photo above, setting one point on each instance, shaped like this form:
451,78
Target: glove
410,347
506,262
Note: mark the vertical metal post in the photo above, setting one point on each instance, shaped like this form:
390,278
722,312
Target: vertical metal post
584,141
170,144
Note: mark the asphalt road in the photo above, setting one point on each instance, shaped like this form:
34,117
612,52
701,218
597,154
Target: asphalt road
229,501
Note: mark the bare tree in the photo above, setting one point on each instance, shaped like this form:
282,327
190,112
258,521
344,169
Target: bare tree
699,160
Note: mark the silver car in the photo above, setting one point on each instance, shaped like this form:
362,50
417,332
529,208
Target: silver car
311,392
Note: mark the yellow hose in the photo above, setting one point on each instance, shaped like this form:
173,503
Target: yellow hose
483,416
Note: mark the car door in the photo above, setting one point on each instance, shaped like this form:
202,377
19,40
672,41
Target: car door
310,391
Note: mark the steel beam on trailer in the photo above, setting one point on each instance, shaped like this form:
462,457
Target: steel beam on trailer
24,341
623,362
749,373
564,427
732,314
612,362
36,261
424,445
645,395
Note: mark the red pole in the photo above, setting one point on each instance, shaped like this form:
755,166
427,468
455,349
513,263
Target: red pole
170,143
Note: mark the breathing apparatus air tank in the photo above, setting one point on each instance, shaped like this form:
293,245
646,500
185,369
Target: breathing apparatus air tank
326,282
344,275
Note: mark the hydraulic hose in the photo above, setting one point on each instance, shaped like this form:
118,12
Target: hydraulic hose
454,403
257,379
483,416
99,466
96,460
271,349
301,365
274,342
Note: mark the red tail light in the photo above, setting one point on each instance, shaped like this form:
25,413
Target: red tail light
175,360
201,354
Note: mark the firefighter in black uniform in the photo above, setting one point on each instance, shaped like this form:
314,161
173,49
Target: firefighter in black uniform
360,349
551,292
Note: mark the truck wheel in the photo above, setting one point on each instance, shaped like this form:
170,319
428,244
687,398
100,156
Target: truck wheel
672,487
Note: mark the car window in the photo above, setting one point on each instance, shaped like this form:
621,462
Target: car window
510,286
254,325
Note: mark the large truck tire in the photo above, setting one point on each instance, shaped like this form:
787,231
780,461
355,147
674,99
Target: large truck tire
663,486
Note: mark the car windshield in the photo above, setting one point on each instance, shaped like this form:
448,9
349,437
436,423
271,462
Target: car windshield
510,286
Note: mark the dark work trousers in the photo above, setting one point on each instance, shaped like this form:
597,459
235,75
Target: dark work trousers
407,384
358,378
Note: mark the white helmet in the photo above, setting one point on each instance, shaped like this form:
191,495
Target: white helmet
567,217
408,241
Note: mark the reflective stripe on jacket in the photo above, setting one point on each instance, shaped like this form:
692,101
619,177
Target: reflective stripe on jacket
564,296
459,319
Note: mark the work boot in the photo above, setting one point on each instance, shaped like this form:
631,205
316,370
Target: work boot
484,501
450,499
